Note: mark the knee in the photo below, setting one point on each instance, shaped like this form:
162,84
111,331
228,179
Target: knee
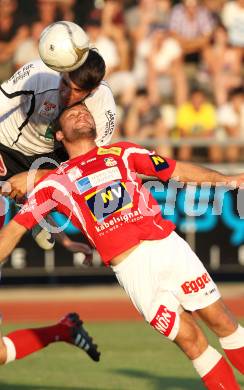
223,325
190,338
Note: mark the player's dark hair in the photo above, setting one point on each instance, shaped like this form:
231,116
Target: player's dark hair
89,75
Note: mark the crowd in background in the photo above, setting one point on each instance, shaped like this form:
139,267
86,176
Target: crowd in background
175,67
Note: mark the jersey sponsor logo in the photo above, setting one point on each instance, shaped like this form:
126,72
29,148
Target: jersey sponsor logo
109,200
49,134
110,125
164,320
88,161
74,173
91,159
159,163
113,150
3,169
22,73
47,109
110,162
98,178
83,185
199,283
116,221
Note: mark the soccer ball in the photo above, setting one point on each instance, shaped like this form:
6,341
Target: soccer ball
63,46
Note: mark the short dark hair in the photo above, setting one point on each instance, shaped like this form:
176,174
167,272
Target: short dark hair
237,91
142,92
89,75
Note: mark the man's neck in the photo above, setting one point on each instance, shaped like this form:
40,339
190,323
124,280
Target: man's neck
75,150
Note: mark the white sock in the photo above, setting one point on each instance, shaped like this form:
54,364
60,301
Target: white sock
234,340
11,351
206,361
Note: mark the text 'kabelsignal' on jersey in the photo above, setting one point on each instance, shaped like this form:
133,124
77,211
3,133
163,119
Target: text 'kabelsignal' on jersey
109,200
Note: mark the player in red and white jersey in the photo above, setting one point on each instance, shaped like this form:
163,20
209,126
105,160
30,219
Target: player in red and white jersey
118,209
99,190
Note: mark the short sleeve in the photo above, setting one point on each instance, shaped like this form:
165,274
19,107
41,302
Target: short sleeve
148,163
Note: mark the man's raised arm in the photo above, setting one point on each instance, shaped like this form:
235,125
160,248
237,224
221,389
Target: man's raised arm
187,172
10,235
17,186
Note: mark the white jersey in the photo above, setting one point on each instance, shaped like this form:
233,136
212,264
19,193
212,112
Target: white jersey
29,102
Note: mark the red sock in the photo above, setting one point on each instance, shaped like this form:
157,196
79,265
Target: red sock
27,341
236,357
221,377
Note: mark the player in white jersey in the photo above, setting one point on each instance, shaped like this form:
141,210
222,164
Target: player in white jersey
31,100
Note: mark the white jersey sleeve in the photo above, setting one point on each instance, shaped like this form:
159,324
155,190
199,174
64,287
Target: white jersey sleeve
11,95
25,82
28,104
102,106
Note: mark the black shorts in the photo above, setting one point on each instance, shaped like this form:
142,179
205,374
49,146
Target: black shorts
13,162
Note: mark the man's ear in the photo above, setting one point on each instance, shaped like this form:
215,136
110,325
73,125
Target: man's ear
59,135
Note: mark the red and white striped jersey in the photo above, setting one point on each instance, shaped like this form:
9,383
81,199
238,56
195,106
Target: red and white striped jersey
103,196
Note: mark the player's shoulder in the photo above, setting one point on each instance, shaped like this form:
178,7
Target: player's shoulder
33,76
101,93
120,148
104,86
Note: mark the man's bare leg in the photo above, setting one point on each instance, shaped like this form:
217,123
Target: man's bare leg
3,351
231,335
213,369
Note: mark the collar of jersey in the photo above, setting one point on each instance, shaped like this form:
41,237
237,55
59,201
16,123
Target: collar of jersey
84,156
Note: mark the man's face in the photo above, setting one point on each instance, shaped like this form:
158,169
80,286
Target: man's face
76,123
69,92
197,99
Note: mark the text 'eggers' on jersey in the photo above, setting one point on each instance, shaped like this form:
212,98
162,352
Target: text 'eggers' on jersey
101,193
29,103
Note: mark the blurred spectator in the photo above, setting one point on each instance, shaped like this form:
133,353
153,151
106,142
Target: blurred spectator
223,63
192,25
215,8
231,119
121,81
104,44
82,10
233,19
159,66
113,25
197,119
166,76
46,12
143,121
28,50
13,30
65,9
141,17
